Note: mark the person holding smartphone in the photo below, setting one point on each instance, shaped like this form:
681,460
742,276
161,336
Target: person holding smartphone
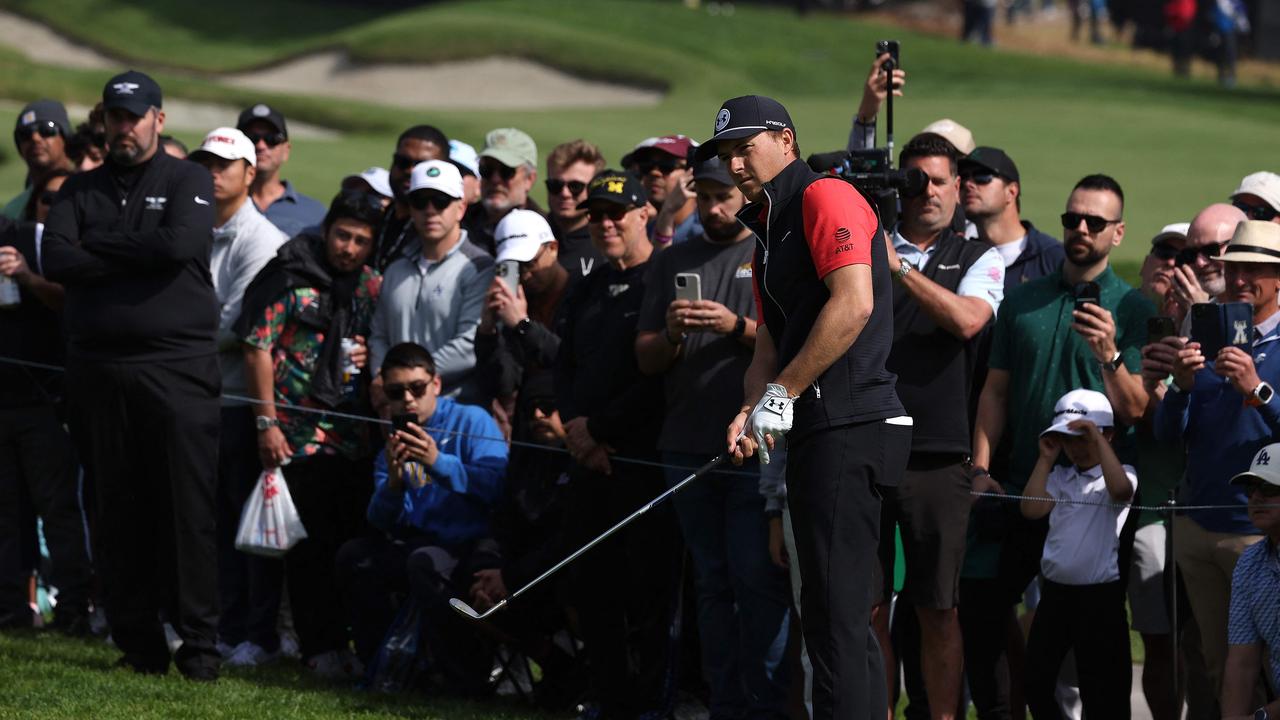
435,484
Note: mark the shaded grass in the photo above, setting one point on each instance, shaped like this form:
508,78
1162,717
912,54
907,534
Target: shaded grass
46,676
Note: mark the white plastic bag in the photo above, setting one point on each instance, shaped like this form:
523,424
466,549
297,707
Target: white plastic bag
269,523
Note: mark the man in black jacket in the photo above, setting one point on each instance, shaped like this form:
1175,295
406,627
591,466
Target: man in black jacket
130,241
825,295
610,409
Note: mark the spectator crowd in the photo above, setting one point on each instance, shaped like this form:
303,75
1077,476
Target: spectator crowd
458,388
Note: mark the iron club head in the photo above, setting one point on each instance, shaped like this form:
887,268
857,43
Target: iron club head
464,608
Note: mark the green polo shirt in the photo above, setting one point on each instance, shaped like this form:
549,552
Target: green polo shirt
1046,359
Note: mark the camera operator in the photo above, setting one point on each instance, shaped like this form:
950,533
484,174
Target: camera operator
821,346
947,291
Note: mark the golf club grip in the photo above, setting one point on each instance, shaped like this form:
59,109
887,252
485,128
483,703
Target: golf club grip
622,523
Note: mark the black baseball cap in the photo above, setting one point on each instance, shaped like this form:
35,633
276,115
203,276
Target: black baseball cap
132,91
992,159
714,170
742,117
44,112
262,111
615,186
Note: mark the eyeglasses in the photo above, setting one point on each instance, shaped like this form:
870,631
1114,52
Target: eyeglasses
1095,223
1257,212
977,178
1163,251
665,164
489,167
395,391
555,187
438,200
1187,256
614,213
272,139
46,129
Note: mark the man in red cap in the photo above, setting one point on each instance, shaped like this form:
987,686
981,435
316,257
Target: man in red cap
662,164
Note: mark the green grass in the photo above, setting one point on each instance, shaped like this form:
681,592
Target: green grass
46,676
1175,146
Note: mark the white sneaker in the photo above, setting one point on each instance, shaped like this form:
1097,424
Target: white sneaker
248,654
172,638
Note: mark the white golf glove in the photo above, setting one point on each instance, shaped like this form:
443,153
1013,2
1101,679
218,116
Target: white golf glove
770,418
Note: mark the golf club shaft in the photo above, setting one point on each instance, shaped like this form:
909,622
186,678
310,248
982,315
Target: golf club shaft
621,524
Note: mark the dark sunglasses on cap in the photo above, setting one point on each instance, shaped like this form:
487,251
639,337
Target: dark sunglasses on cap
488,167
1257,212
1095,223
555,187
665,164
438,200
1187,256
395,391
271,139
978,178
1163,251
46,129
614,213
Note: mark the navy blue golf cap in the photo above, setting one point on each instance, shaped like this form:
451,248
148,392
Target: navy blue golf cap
133,91
742,117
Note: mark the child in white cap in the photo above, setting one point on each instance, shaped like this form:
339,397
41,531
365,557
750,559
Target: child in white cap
1082,598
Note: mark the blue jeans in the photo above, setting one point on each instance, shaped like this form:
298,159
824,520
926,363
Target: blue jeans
744,600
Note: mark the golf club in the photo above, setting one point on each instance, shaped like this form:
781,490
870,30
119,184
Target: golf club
470,612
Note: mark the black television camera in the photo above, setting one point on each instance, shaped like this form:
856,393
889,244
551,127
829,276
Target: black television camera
871,171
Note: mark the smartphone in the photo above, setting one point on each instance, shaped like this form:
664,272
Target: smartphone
509,271
1159,328
688,287
889,46
1207,328
400,421
1087,293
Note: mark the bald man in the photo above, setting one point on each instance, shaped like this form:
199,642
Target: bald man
1197,275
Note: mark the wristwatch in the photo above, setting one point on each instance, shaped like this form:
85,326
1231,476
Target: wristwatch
739,327
904,269
263,422
522,327
1261,714
1114,364
1261,395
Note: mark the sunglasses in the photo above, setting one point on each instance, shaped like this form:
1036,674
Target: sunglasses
555,187
395,391
978,178
614,213
1187,256
1095,223
663,164
46,129
420,200
1257,212
1267,490
271,139
488,168
1164,251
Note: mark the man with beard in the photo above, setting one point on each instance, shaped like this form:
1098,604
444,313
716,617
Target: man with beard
1198,270
991,192
703,348
570,167
1045,344
508,170
396,237
130,242
41,136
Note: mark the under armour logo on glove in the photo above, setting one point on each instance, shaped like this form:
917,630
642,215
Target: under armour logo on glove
770,418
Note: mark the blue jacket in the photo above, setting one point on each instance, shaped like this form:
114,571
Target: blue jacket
1042,255
1221,435
452,507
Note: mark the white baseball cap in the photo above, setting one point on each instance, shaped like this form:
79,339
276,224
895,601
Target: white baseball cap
377,178
1172,230
440,175
1265,185
955,133
464,156
228,143
519,235
1088,405
1264,468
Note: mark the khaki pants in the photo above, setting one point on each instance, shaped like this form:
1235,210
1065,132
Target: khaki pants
1206,561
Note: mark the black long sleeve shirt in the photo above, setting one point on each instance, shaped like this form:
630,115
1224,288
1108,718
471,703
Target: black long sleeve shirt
131,246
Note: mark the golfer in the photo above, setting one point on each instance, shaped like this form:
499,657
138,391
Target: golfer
824,297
